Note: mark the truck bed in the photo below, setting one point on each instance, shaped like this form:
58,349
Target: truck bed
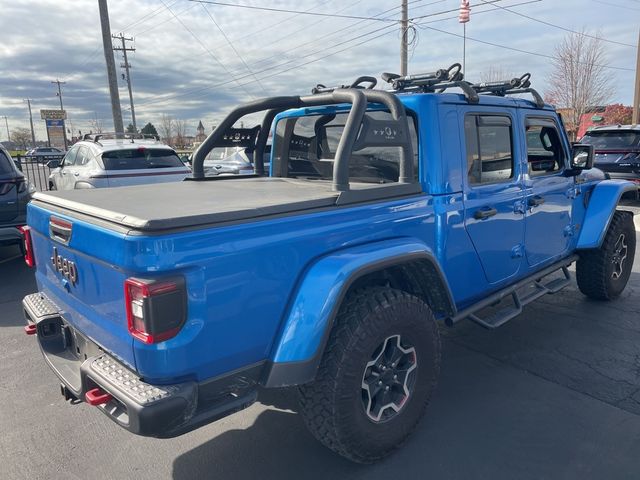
186,204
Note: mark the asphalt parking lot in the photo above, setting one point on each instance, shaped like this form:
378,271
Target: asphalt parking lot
555,393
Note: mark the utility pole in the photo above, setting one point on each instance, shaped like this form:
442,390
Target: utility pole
111,66
64,123
127,66
404,34
6,122
33,134
636,95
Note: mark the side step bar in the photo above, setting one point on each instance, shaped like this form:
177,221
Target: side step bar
504,315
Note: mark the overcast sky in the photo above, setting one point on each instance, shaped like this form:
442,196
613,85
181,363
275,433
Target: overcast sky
184,66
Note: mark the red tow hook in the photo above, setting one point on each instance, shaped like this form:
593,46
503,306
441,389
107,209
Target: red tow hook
31,329
97,396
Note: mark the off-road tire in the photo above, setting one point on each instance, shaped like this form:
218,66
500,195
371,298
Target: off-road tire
595,268
332,406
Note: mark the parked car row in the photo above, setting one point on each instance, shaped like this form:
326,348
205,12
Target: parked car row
617,150
110,162
43,154
15,193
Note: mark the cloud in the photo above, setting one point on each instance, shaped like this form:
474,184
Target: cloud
185,66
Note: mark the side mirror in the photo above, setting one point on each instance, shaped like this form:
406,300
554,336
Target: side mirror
53,163
582,156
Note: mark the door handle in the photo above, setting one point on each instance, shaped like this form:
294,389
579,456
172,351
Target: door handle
535,201
484,213
76,174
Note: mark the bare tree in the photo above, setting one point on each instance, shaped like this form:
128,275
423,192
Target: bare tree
166,128
579,80
22,136
96,124
496,74
180,127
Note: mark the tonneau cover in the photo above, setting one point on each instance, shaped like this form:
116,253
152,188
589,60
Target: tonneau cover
187,204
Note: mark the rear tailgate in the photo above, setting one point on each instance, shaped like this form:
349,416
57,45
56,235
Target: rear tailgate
89,294
125,178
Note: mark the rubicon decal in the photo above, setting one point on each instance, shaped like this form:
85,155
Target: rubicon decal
66,267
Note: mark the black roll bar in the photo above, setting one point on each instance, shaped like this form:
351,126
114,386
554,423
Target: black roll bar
358,99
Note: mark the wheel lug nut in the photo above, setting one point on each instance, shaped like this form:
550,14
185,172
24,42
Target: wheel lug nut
379,382
386,388
395,377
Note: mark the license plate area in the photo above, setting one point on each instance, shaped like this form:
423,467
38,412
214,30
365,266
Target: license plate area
65,349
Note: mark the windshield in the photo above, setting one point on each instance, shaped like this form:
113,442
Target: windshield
612,139
140,158
226,155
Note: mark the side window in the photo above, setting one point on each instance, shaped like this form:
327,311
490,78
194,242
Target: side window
84,155
70,157
489,148
545,154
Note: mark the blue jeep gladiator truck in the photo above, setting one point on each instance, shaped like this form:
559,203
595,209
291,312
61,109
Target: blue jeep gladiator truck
384,213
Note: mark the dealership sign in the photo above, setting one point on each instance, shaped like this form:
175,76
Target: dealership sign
53,114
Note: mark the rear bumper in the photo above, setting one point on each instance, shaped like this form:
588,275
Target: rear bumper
144,409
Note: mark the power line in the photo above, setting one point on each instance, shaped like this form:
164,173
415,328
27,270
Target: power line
454,10
421,25
279,65
300,12
559,26
351,27
237,79
233,47
144,32
203,45
455,17
616,5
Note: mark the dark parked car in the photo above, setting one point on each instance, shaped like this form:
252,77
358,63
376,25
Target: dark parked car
617,149
15,193
44,154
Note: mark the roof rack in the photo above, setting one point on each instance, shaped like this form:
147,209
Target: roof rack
357,83
96,137
452,77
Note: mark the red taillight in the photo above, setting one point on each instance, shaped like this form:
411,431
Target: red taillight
156,309
28,246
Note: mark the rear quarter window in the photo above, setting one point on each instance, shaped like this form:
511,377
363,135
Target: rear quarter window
143,158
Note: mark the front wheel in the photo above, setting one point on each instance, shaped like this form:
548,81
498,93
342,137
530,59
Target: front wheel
603,273
377,375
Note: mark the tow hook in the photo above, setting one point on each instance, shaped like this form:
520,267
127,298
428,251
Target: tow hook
31,329
97,396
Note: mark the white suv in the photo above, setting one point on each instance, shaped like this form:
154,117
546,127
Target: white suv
106,161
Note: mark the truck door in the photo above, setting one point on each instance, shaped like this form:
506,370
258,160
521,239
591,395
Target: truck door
494,194
548,192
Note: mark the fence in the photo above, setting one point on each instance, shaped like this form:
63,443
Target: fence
37,173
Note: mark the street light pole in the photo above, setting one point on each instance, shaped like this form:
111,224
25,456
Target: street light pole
636,95
33,134
64,124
